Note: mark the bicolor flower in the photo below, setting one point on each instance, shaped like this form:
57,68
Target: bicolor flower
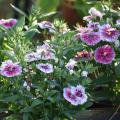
8,23
93,25
108,33
46,68
75,95
47,25
104,54
91,38
10,69
45,52
95,13
33,56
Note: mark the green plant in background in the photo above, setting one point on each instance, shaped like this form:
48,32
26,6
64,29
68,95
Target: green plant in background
56,78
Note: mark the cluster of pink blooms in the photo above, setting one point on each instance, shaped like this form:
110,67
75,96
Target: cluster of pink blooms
10,69
8,23
75,95
95,33
43,52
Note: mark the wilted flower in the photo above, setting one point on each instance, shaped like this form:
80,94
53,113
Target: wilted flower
95,13
108,33
33,56
83,55
10,69
104,54
71,64
84,74
46,68
93,25
8,23
75,95
47,25
91,38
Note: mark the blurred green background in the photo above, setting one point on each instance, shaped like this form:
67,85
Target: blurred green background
71,11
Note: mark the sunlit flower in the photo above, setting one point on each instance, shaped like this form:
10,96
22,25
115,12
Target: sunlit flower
91,38
46,68
95,13
104,54
93,25
47,25
83,55
71,64
8,23
108,33
10,69
75,95
33,56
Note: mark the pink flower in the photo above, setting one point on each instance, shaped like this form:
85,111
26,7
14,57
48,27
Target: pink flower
80,93
47,25
75,95
82,30
10,69
88,18
46,68
91,38
69,96
104,54
45,52
33,56
93,25
8,23
108,33
95,13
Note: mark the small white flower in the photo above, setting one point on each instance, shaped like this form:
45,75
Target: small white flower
71,64
117,43
25,84
71,72
84,74
28,88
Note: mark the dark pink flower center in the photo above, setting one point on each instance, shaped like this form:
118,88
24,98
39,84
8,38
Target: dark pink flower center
10,68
